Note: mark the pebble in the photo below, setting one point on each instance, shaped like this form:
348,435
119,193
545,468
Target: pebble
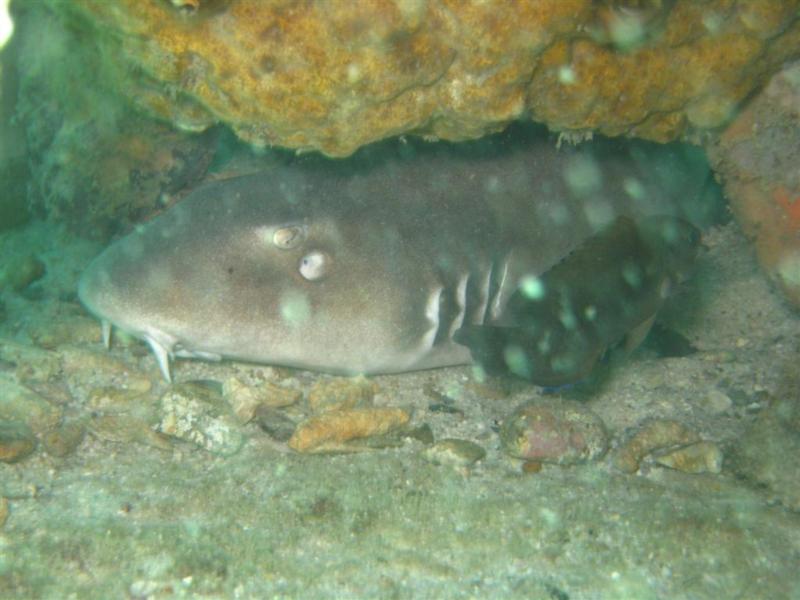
114,399
274,423
492,389
126,429
20,273
18,403
454,452
16,441
246,399
717,402
529,467
73,330
766,454
562,432
422,433
64,439
330,431
701,457
651,436
341,394
32,363
196,414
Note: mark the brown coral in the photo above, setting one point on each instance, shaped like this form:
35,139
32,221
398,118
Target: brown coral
333,76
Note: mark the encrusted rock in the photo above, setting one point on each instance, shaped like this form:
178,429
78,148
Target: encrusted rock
16,441
274,423
716,402
126,429
21,272
18,403
766,455
341,394
79,362
653,435
196,414
563,432
3,511
334,76
422,433
245,399
114,399
330,431
756,158
701,457
454,452
72,330
64,439
32,363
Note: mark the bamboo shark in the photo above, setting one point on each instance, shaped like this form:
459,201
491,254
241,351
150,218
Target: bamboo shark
353,268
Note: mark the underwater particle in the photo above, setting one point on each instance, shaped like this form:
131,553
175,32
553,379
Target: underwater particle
532,287
652,435
295,308
566,75
562,432
454,452
19,274
330,431
517,360
16,441
274,423
6,23
702,457
341,394
196,414
583,176
64,439
634,188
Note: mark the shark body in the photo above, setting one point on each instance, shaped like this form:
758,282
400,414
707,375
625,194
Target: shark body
360,270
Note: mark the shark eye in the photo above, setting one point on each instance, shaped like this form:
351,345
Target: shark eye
286,238
314,265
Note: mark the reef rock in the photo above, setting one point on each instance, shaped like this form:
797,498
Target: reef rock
757,158
333,76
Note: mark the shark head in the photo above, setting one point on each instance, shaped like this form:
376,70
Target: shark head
244,268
